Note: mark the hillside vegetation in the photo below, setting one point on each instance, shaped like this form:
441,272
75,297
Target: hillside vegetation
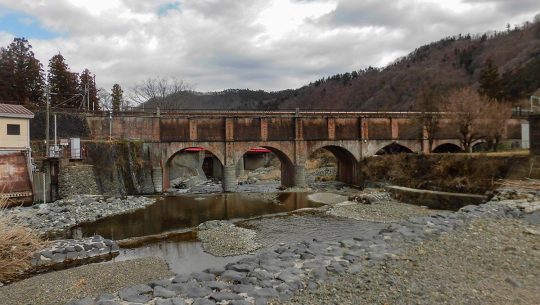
512,57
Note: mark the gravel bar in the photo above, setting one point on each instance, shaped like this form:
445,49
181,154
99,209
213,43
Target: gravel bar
55,218
386,211
92,280
222,238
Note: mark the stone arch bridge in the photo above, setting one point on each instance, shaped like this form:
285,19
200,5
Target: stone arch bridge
291,136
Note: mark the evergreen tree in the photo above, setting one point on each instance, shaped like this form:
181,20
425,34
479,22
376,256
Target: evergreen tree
490,82
21,74
117,97
64,85
87,85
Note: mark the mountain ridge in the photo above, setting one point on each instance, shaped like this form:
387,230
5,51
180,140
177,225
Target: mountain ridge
443,65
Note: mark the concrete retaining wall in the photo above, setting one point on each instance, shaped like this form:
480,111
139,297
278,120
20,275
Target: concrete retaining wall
433,199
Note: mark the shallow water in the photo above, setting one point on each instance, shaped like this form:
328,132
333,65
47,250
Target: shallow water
182,256
174,213
178,214
185,254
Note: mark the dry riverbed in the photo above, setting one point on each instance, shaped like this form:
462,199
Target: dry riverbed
487,262
385,252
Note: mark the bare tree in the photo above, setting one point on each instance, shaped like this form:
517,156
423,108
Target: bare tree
428,104
104,98
466,109
496,115
157,91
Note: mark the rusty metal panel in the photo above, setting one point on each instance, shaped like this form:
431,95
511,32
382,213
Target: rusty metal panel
280,129
210,129
447,130
379,129
315,128
174,129
15,182
247,129
347,129
409,129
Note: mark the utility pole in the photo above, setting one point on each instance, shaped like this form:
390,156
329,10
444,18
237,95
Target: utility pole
47,89
55,138
94,103
85,97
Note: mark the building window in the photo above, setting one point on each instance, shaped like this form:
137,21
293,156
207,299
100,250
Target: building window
13,129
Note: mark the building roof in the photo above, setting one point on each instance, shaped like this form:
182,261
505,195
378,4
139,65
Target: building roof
15,111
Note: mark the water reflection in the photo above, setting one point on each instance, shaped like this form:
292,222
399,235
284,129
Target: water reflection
182,257
177,212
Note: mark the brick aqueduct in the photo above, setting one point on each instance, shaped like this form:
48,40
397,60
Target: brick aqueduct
291,136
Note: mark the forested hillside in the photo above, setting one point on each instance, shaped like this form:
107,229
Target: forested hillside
505,65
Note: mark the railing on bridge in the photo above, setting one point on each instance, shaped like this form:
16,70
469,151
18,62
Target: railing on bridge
517,112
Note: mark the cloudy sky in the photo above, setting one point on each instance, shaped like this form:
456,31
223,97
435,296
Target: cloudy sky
257,44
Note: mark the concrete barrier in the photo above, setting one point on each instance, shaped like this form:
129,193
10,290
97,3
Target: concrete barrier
435,199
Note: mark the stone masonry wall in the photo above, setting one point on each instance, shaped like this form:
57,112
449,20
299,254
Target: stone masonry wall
77,179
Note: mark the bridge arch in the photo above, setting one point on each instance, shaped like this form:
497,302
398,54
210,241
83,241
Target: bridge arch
393,148
446,148
201,154
287,164
348,166
479,146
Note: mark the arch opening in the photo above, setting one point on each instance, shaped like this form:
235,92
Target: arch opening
393,149
447,148
332,163
481,146
191,167
265,164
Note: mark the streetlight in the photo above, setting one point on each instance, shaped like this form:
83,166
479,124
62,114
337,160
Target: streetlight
110,125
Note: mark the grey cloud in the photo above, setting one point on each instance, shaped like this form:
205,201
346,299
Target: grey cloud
219,44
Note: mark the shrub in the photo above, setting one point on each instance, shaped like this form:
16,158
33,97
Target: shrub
17,245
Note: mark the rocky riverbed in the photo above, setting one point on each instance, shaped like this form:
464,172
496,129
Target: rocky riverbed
489,261
277,275
62,252
55,218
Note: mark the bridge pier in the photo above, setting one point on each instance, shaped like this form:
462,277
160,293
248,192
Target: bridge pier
299,176
157,178
228,181
240,167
